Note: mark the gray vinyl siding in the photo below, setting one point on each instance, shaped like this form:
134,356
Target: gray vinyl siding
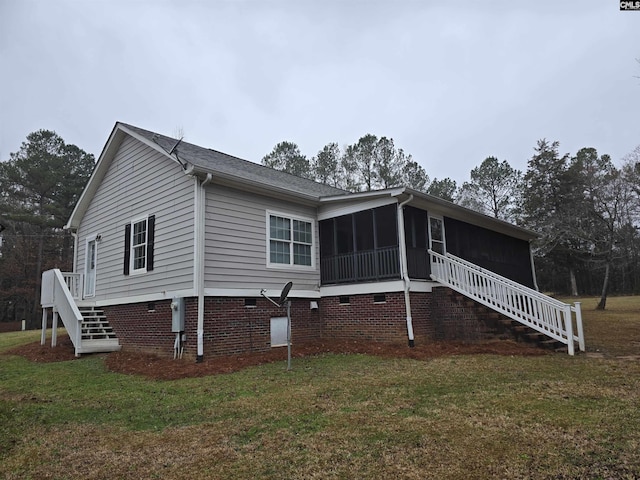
236,245
141,181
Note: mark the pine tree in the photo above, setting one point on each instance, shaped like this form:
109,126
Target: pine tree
493,189
40,185
286,156
326,165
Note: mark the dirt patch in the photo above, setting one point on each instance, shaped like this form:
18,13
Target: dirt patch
153,366
45,353
10,326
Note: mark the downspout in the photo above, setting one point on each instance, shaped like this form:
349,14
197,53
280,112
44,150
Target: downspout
201,197
75,250
533,269
404,270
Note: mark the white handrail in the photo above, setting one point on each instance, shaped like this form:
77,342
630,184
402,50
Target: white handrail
55,294
74,283
523,304
505,279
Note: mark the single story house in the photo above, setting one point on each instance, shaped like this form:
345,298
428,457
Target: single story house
175,245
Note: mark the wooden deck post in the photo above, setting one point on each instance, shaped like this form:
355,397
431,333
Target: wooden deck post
43,336
54,328
579,326
568,325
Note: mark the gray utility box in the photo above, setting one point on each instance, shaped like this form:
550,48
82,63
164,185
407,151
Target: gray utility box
177,315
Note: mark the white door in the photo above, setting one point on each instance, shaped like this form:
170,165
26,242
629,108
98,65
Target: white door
90,269
436,235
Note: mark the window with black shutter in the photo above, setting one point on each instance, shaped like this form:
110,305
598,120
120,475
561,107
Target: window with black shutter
139,239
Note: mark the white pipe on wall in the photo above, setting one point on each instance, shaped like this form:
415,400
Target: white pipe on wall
533,269
404,268
74,234
201,201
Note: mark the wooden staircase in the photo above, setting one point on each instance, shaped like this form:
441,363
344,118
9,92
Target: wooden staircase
525,334
549,317
88,329
493,325
97,335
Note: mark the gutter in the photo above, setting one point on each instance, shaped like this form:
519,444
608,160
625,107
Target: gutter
533,268
404,268
74,269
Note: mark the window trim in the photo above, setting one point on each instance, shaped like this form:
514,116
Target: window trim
291,218
439,218
90,238
148,245
132,269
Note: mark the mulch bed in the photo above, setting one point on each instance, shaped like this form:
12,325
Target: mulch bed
162,368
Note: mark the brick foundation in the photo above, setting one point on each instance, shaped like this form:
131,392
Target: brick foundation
422,317
458,318
362,318
230,327
139,328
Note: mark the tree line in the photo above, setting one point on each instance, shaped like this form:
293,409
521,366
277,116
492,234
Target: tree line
585,209
371,163
39,186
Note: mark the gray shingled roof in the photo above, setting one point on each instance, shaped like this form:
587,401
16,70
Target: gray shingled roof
218,162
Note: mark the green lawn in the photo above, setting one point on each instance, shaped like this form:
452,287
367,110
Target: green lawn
335,416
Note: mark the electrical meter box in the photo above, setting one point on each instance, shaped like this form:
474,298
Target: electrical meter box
177,315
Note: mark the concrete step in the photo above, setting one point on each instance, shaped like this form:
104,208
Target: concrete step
99,346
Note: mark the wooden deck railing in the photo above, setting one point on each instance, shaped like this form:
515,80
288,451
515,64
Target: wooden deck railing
525,305
74,284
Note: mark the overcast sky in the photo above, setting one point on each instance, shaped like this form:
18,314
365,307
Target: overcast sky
452,82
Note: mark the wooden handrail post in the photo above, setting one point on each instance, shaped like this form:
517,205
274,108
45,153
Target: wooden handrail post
581,344
568,325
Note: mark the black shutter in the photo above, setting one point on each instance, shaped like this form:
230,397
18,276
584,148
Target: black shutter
151,225
127,247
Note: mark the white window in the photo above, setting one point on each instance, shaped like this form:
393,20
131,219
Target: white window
139,245
290,241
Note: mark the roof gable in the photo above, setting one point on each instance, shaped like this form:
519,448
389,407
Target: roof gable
228,167
197,160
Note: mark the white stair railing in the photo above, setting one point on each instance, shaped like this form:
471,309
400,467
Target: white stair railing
74,282
523,304
55,294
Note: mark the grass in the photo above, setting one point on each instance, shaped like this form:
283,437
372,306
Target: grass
614,331
335,416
